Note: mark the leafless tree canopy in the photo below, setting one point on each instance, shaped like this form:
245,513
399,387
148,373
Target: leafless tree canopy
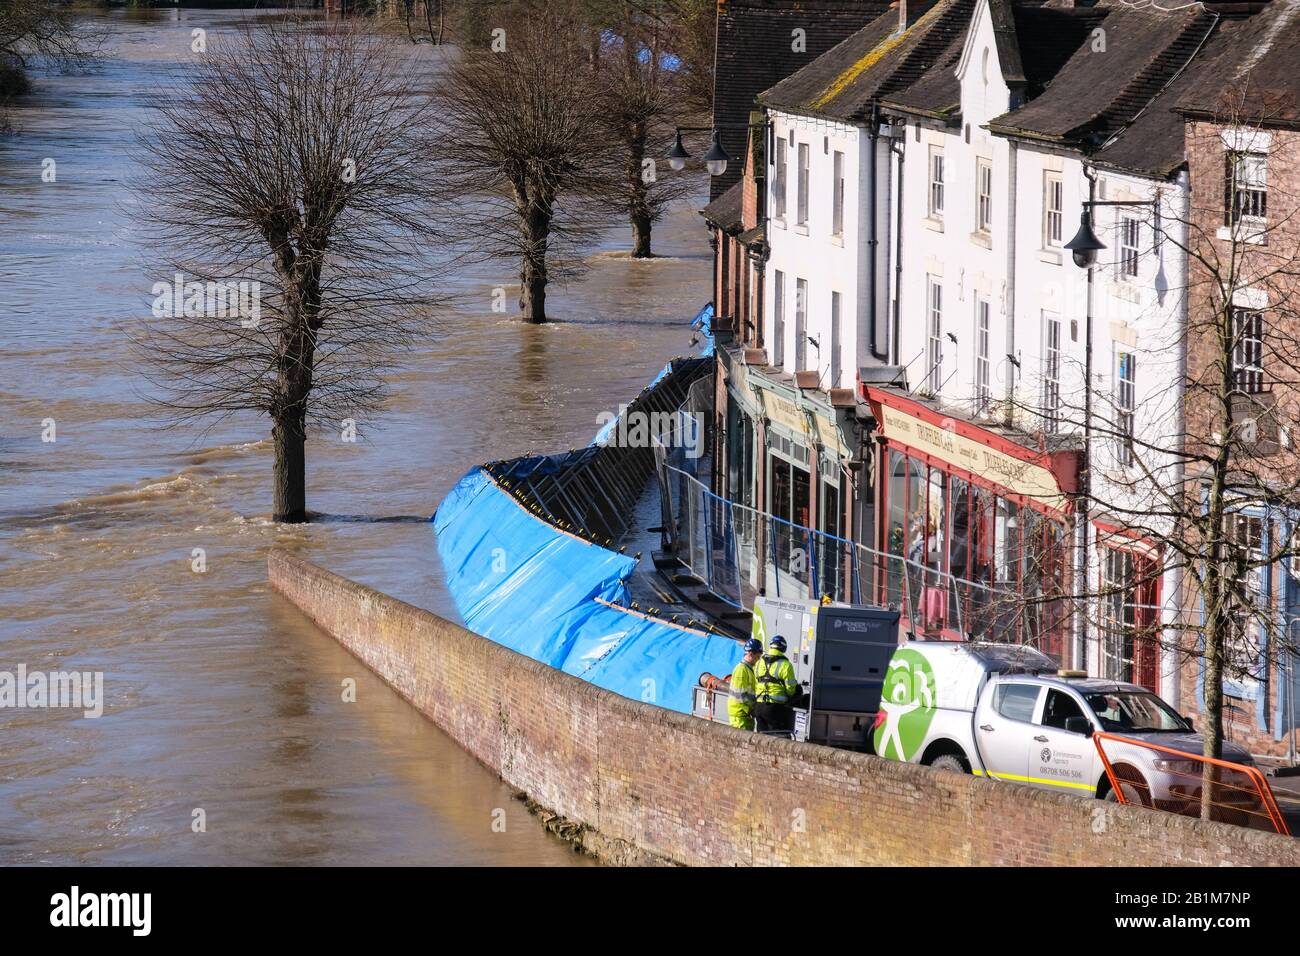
44,29
298,159
643,98
519,134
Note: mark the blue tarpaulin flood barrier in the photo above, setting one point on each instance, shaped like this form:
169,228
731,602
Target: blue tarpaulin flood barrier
562,600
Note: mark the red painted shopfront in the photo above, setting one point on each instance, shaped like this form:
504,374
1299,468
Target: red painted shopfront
975,527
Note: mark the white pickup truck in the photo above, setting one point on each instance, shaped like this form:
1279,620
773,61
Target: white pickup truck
1006,712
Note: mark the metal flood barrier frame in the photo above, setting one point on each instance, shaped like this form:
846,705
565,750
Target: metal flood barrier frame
1261,788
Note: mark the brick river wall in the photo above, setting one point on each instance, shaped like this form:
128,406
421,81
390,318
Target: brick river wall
650,785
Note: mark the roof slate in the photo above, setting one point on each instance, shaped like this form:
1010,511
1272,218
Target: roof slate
873,63
754,51
725,212
1103,86
1255,74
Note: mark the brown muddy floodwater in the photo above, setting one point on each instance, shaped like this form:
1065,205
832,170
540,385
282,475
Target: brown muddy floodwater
219,695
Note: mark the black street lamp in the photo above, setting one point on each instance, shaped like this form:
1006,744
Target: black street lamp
716,159
1085,245
677,156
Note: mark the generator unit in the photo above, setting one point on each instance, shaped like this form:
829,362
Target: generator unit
840,654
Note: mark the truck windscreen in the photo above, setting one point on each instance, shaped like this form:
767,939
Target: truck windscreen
1131,711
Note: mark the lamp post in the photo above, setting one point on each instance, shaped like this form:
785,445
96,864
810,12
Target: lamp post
1084,248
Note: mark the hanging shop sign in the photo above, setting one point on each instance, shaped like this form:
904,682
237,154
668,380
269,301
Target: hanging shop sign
1017,475
795,419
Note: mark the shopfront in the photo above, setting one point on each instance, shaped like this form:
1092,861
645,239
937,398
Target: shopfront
974,527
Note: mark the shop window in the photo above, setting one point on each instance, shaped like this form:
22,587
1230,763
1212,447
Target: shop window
936,547
1007,530
982,536
896,526
959,552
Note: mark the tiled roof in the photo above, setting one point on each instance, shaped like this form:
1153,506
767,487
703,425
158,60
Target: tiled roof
1256,74
873,63
725,211
1103,86
755,50
1155,141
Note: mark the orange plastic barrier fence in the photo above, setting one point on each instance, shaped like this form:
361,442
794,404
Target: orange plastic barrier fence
1240,793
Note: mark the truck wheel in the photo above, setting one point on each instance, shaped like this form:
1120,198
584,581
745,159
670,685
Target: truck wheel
1136,791
949,762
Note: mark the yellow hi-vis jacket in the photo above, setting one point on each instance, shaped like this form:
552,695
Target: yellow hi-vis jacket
776,681
740,702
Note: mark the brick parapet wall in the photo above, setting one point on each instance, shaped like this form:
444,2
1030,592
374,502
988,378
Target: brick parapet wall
658,785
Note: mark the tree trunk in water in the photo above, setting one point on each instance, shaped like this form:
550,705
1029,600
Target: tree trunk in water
532,293
290,439
532,271
641,236
639,207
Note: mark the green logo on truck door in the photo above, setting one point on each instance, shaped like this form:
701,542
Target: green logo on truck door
907,701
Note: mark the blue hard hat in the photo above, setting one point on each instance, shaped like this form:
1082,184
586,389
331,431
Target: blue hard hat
778,642
752,645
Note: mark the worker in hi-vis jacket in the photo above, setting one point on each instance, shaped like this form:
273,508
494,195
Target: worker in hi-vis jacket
777,687
744,687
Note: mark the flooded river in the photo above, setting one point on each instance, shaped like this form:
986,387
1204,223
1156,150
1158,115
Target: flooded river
219,695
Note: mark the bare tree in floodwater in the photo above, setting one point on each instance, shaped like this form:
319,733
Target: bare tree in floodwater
298,159
45,30
641,100
519,130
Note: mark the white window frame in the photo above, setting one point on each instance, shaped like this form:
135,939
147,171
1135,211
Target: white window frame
1248,350
1130,247
1053,209
778,318
779,182
801,206
837,194
1051,372
934,330
1125,405
837,308
984,196
800,324
935,200
983,340
1247,188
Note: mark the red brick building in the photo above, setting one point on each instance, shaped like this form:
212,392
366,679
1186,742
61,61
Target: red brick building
1242,136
